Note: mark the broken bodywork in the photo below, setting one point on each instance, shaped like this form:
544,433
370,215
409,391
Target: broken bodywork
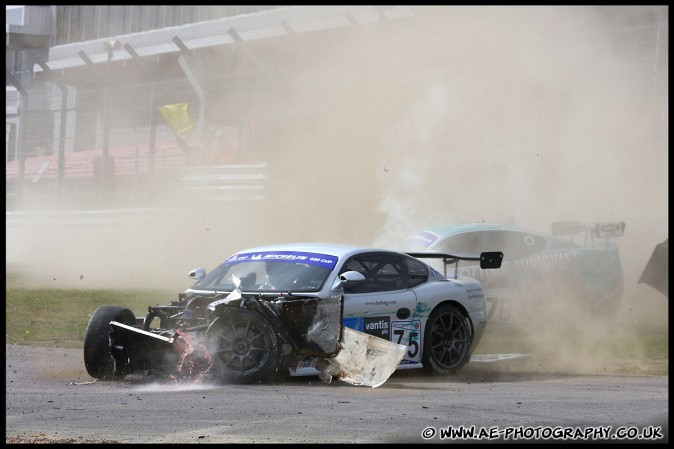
240,338
656,271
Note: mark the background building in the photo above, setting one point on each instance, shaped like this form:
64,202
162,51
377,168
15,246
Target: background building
28,35
103,73
86,84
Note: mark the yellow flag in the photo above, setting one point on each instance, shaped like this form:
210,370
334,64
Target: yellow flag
177,117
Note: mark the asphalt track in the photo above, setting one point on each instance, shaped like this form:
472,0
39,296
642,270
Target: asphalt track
48,392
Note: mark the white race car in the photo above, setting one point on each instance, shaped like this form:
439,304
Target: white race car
300,309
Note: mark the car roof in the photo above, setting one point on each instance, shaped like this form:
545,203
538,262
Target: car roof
335,249
455,229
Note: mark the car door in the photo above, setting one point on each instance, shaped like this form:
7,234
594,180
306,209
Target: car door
383,303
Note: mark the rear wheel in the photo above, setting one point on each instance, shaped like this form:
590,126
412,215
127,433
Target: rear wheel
447,340
97,356
243,347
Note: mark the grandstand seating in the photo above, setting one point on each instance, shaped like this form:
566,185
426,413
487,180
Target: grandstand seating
129,161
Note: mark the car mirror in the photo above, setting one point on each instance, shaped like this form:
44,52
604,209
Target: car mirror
197,274
348,277
351,276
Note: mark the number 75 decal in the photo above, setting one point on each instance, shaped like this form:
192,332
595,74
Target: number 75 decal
407,333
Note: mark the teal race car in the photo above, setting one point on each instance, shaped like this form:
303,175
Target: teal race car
574,269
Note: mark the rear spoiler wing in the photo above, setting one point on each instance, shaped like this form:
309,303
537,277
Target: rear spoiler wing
603,230
488,259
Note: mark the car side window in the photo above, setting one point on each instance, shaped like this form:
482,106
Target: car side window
417,271
382,271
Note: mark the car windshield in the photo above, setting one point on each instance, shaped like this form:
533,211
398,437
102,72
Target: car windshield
420,241
285,271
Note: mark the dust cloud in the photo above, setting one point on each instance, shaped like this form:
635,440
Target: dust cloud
523,115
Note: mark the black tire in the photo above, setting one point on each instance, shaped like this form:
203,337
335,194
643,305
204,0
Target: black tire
97,356
447,340
243,347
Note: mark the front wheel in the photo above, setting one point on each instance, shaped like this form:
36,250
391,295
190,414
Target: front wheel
243,347
97,356
447,340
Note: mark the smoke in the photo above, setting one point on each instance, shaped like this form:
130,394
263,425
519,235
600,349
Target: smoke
523,115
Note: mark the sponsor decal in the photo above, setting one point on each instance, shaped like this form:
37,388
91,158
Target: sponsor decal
606,230
353,323
305,364
302,367
555,259
380,302
478,273
379,326
321,260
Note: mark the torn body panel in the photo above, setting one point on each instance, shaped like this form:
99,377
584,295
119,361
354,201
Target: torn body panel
363,360
310,327
656,271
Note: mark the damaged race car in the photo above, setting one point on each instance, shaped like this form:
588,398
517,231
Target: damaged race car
353,313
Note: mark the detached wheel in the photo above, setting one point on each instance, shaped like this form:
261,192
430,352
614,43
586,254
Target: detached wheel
243,347
447,340
97,356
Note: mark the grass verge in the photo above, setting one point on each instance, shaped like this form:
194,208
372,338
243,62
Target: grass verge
59,318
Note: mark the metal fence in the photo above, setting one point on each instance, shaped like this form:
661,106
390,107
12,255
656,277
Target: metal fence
94,146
